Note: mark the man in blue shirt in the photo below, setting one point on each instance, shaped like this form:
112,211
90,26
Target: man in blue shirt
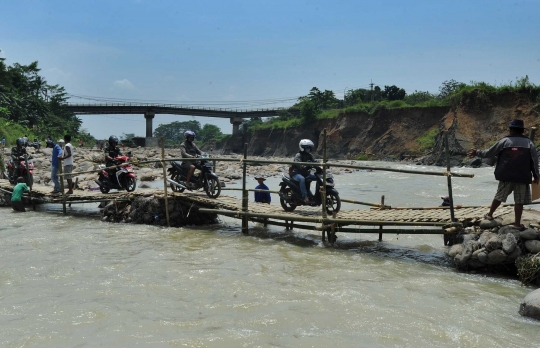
262,197
57,151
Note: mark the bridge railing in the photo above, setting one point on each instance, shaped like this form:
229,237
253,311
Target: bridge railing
170,106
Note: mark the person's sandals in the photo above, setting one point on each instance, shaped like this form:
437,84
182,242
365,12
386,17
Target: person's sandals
487,217
306,200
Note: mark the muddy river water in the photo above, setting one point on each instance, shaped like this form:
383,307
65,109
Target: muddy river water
73,281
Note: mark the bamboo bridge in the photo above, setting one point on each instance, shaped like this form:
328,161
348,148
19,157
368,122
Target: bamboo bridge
434,220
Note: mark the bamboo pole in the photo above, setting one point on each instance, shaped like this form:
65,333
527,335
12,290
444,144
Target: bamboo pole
28,180
239,214
322,189
377,205
60,170
245,195
449,176
532,132
381,227
328,164
162,144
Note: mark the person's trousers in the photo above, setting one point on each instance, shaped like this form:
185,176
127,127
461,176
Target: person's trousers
54,178
303,181
17,205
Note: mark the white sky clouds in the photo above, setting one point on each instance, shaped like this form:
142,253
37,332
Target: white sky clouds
124,84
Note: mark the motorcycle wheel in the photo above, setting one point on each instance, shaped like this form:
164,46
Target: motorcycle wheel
104,189
131,184
287,192
333,203
213,188
176,177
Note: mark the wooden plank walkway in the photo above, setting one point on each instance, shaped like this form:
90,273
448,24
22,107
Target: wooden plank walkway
42,193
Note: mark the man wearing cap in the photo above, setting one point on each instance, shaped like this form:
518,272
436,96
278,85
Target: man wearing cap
517,159
262,197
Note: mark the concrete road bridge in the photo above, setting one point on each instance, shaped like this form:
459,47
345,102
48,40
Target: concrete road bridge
149,111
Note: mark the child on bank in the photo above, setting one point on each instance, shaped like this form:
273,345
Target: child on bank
16,197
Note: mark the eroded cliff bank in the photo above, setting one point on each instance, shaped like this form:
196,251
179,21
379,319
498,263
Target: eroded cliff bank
395,133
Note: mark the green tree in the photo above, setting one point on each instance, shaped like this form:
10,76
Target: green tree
173,132
308,112
449,87
393,93
209,132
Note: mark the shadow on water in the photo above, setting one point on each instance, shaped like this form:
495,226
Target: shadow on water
421,253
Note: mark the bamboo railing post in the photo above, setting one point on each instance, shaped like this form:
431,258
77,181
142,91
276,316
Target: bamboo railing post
449,176
245,196
322,189
380,227
532,133
162,144
60,171
28,180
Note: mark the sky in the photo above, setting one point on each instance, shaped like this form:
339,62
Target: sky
260,52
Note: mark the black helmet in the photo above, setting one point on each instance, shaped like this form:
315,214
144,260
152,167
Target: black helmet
113,139
20,141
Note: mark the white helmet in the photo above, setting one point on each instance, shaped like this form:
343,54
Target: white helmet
305,143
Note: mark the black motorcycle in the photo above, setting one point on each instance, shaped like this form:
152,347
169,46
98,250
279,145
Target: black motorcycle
35,144
205,179
290,195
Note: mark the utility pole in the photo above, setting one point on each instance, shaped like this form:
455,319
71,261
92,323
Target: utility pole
371,85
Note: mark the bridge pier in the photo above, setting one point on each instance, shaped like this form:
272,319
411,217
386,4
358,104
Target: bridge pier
149,117
236,122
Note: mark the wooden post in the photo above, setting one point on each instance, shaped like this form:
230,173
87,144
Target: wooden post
322,189
28,180
532,133
380,227
162,144
449,176
60,171
245,195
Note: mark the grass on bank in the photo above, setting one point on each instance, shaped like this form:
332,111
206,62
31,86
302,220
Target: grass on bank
474,96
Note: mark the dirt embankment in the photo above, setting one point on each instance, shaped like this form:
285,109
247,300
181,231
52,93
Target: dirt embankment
394,133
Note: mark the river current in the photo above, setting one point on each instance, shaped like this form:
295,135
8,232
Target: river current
74,281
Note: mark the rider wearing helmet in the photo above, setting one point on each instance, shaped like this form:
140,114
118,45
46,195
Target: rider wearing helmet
188,149
17,154
110,153
301,173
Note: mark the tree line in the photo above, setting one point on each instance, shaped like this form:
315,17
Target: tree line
38,108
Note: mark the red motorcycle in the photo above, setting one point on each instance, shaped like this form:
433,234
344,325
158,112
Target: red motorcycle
123,178
27,175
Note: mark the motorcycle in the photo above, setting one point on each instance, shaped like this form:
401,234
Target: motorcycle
124,178
49,143
27,175
205,179
290,195
36,144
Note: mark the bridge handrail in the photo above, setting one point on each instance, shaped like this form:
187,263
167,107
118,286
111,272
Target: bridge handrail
327,164
173,106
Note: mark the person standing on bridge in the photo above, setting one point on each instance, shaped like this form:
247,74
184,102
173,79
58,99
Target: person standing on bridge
57,152
517,159
68,162
188,149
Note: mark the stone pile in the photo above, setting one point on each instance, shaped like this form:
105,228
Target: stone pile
151,211
490,244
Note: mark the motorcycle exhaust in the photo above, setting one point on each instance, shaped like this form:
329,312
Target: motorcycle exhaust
176,184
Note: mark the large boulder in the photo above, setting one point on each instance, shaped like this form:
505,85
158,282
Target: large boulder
484,237
475,162
509,243
495,257
530,307
533,246
494,243
488,224
455,249
529,234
